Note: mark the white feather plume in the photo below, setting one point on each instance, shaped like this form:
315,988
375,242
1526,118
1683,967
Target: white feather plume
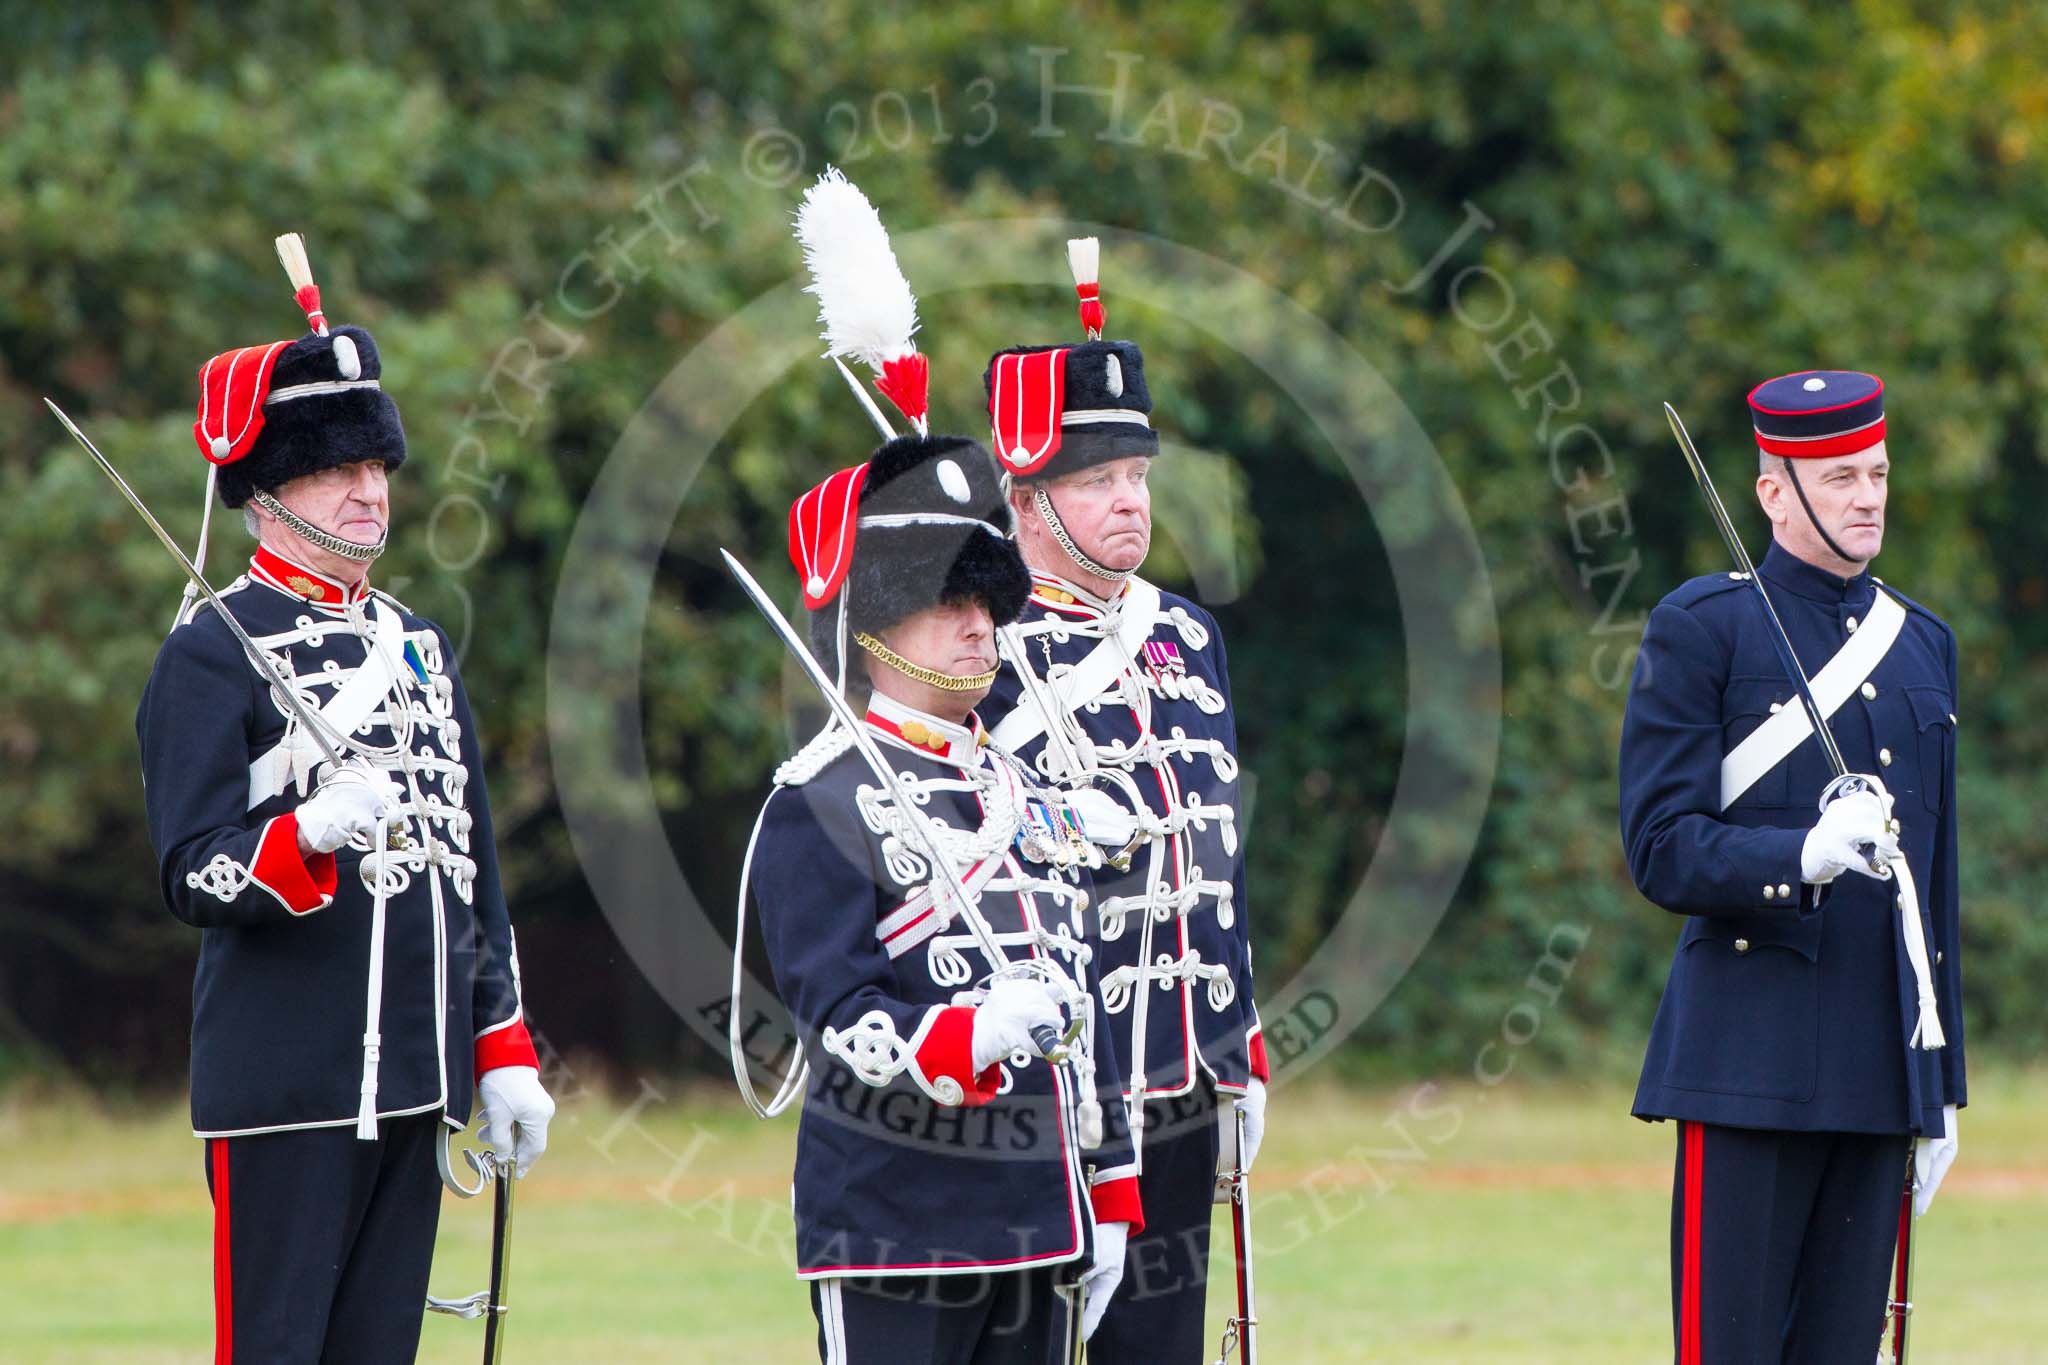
291,253
1084,258
865,306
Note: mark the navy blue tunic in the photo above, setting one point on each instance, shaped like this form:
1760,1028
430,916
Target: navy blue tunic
279,1001
1790,1012
909,1163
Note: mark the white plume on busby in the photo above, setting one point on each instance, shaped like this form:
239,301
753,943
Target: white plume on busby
865,307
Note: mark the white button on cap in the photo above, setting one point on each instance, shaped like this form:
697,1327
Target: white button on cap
1851,624
1741,945
953,480
1870,691
1815,384
1884,756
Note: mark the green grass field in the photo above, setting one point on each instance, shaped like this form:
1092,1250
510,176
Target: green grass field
1418,1226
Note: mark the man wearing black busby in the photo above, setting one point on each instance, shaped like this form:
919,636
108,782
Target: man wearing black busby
357,985
946,1194
958,1194
1119,692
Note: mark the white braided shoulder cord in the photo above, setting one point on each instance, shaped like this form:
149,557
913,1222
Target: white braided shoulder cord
799,1071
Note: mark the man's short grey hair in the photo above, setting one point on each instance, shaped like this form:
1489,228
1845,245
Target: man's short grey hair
249,519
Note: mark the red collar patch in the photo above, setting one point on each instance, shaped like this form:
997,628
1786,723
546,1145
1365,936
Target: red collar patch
274,570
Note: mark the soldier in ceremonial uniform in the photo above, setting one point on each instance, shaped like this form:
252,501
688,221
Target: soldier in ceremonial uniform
945,1184
1120,691
357,982
1811,1030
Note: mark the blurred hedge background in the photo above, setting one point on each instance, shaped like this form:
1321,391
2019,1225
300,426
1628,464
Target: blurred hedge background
1683,198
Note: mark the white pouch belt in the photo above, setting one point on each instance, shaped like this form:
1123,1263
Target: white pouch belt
293,756
1767,745
1098,670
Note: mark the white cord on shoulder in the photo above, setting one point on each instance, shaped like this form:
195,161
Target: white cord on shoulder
373,1007
845,591
191,593
799,1071
807,762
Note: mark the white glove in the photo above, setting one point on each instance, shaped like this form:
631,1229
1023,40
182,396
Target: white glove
1104,817
350,801
1831,846
1099,1285
513,1095
1932,1156
1253,1103
1005,1017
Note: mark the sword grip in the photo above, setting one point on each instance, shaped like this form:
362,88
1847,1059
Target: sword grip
1046,1039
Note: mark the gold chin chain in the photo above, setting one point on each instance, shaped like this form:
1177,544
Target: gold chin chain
948,682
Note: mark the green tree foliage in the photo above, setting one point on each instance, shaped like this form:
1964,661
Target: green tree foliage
1647,201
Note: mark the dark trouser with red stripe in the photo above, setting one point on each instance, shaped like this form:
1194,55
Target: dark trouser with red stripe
1013,1318
322,1243
1781,1244
1156,1317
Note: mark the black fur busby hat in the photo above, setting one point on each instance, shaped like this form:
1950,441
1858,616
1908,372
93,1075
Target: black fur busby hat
1058,409
1096,410
269,414
924,521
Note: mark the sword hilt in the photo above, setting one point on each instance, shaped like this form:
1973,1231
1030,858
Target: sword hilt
1852,784
1046,1039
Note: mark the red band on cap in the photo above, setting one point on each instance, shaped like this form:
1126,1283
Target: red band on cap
1848,443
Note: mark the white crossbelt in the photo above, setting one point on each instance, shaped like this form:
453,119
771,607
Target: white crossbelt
293,756
1770,743
1767,745
1098,670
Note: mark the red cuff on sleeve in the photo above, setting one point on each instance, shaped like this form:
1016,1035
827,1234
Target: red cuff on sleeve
511,1045
1116,1201
1255,1048
948,1051
303,884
